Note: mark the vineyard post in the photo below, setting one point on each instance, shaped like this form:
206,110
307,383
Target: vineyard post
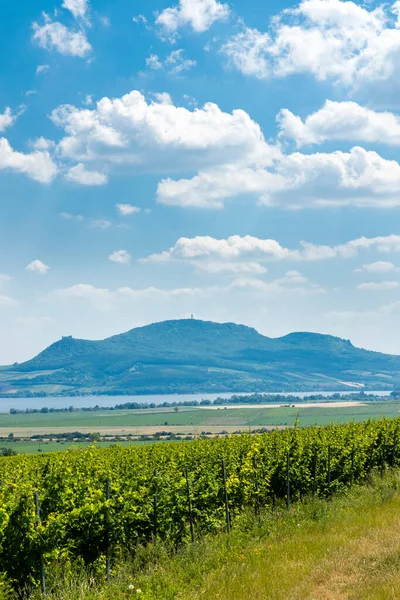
155,500
189,505
394,449
329,466
257,489
352,466
227,515
370,465
38,521
108,564
382,467
314,485
288,480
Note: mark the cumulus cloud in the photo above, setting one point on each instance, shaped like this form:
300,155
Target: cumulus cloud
218,267
54,36
79,174
78,8
174,63
380,266
8,117
42,143
138,134
341,121
329,39
120,256
127,209
358,177
37,266
37,165
197,14
250,248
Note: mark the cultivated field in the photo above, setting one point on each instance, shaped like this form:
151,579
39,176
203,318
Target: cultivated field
192,420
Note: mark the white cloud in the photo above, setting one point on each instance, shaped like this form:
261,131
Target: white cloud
140,19
78,174
134,133
8,117
42,69
37,266
37,165
341,121
69,217
218,267
174,63
88,101
378,286
380,266
78,8
42,143
358,178
127,209
236,248
106,299
100,224
197,14
153,62
55,36
120,256
328,39
292,281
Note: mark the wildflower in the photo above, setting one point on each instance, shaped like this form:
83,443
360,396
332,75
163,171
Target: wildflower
138,591
131,586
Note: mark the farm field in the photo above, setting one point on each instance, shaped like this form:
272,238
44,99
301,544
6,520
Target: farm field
191,420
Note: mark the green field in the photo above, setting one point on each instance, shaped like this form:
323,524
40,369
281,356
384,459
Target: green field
194,419
33,447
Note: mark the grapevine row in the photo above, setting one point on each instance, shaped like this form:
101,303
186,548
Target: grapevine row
95,502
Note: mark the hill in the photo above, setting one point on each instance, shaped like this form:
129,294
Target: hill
188,356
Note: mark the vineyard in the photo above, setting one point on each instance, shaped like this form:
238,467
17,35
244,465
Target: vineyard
91,505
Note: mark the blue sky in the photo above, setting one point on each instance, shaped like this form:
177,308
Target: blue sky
234,160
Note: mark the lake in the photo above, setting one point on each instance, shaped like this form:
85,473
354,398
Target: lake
90,401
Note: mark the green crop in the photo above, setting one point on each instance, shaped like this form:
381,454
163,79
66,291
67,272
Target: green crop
149,495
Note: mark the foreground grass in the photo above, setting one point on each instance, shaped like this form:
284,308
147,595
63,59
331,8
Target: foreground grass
346,548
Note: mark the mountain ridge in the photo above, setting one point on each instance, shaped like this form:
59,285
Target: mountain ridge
190,355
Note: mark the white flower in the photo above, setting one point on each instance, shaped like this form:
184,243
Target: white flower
138,591
131,586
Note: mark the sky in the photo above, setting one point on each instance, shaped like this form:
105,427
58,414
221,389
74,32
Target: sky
238,161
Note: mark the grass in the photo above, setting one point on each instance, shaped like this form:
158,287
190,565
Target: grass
191,419
346,548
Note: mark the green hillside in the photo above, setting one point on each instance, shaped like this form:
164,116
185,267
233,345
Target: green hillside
189,355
